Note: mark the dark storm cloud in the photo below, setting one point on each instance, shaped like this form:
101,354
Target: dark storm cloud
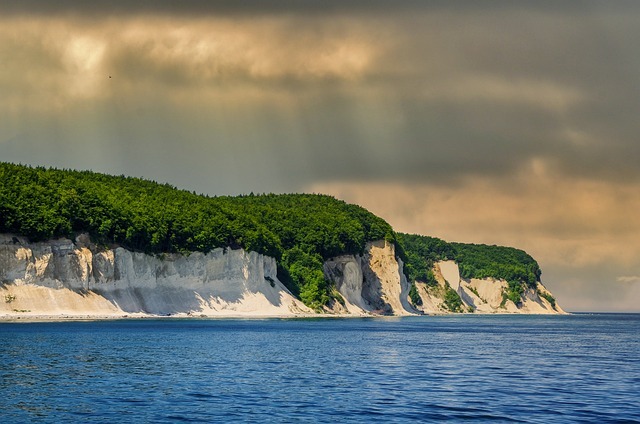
259,7
191,7
486,93
420,92
415,91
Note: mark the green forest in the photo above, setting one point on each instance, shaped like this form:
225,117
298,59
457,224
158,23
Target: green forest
474,260
300,230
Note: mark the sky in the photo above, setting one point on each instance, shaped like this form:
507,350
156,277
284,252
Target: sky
501,122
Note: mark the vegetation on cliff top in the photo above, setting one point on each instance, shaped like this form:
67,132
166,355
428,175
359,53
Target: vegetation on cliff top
474,260
299,230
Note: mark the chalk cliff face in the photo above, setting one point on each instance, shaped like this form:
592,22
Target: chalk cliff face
373,282
480,295
61,277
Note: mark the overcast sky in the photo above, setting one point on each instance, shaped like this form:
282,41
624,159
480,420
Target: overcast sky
500,122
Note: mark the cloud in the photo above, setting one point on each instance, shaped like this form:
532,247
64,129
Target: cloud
203,7
379,96
629,279
491,89
261,7
214,50
66,56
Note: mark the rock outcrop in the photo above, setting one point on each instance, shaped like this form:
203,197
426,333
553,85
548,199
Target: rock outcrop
373,282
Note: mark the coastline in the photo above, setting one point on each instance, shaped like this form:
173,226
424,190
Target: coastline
106,317
65,280
26,318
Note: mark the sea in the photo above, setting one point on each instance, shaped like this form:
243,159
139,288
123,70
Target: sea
462,368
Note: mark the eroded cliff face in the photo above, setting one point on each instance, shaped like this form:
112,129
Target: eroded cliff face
62,277
480,295
373,282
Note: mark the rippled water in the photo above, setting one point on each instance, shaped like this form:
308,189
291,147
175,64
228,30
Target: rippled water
456,368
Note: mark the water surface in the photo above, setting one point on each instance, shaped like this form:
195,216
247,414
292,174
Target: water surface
579,368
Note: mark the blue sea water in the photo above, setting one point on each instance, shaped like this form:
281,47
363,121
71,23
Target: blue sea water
578,368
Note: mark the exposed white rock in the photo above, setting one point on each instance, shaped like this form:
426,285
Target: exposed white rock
489,294
432,298
450,272
62,277
346,273
480,295
373,282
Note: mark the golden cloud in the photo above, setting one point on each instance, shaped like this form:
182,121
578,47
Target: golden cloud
69,58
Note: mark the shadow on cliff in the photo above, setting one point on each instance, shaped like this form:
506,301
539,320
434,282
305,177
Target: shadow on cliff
170,301
149,301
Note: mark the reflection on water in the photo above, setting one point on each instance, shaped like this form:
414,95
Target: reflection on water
505,368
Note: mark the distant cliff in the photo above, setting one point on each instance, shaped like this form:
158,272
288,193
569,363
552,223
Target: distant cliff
458,277
451,293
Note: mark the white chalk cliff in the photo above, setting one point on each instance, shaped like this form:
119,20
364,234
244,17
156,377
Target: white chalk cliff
67,278
480,295
373,282
61,277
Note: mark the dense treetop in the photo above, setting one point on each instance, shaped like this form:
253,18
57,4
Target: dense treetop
474,260
300,230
